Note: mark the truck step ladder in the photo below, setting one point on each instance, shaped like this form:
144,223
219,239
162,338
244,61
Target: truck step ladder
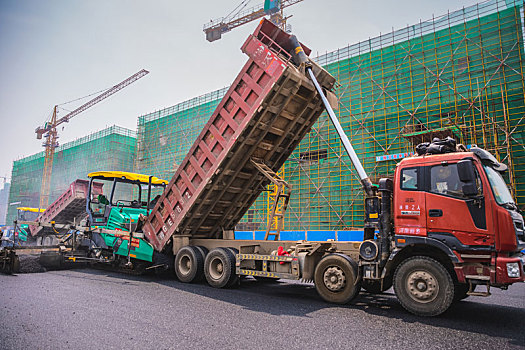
472,286
280,203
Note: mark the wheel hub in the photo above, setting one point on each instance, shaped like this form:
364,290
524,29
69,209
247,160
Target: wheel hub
422,286
216,268
185,265
334,278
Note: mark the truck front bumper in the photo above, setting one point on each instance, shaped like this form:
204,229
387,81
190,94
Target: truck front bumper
501,271
510,269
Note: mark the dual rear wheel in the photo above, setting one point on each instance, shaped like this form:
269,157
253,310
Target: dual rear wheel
193,263
335,275
219,268
189,264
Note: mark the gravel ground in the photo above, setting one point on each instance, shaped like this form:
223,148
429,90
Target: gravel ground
95,309
30,264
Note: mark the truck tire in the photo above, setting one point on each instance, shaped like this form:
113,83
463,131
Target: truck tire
234,281
204,251
335,277
423,286
219,267
189,264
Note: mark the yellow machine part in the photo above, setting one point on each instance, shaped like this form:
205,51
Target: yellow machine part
128,176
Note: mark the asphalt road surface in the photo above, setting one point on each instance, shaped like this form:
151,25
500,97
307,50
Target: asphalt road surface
92,309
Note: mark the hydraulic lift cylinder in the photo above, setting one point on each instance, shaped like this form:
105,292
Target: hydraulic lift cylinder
367,184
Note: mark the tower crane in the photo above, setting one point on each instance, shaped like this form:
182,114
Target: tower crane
240,15
49,131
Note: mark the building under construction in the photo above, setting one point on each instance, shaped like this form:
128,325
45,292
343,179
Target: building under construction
112,148
459,75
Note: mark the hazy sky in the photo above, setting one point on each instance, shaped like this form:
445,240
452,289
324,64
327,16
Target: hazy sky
55,51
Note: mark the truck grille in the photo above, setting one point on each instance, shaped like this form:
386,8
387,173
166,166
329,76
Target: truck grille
520,231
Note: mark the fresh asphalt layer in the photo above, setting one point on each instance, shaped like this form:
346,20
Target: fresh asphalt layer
92,309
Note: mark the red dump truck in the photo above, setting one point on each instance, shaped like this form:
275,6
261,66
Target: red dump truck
434,237
69,208
442,228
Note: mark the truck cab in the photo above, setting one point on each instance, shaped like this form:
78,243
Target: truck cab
457,209
125,196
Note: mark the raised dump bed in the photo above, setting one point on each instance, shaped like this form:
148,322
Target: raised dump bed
267,111
70,206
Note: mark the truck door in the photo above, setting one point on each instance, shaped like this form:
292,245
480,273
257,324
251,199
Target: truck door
409,200
452,217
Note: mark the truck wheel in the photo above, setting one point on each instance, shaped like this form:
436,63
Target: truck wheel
189,264
234,280
204,250
335,277
423,286
219,267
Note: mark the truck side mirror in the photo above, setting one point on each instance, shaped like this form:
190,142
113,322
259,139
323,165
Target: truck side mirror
466,170
467,174
470,189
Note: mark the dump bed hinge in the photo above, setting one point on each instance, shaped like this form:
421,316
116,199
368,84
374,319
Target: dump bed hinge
281,199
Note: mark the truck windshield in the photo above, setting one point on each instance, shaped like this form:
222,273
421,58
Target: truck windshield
499,187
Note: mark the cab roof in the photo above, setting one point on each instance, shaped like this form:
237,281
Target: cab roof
432,158
474,152
128,176
34,210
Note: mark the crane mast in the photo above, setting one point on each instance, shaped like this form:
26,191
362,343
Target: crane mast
49,132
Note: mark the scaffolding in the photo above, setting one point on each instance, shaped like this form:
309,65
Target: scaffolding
460,74
112,148
165,136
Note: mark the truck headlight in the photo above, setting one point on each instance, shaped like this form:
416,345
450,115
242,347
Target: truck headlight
513,270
